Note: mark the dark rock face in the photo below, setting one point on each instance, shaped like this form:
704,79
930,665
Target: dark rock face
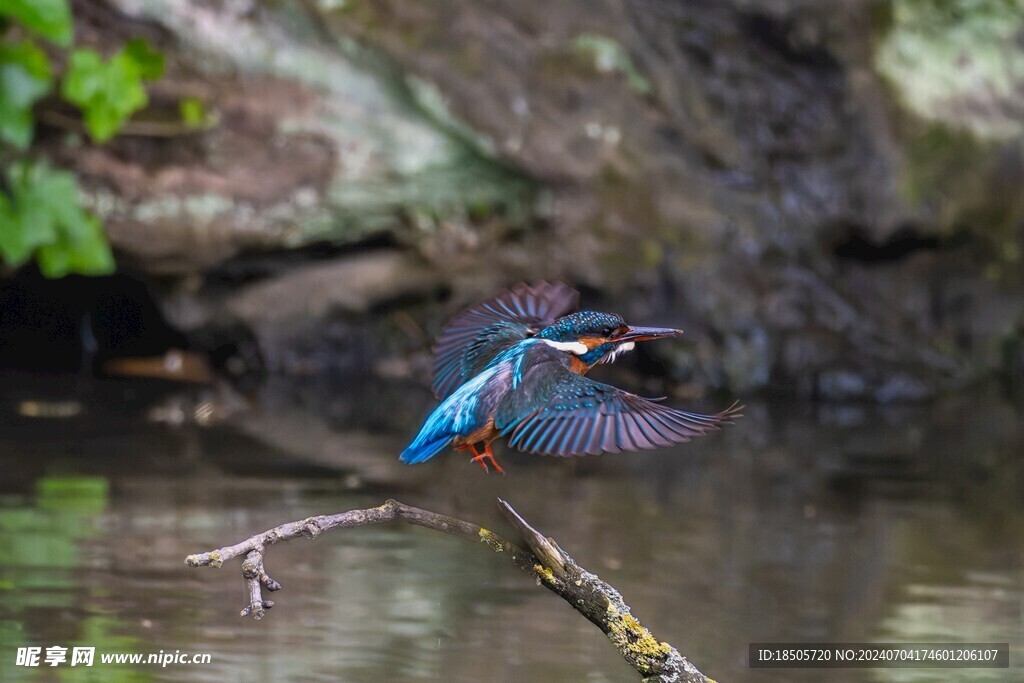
739,169
722,158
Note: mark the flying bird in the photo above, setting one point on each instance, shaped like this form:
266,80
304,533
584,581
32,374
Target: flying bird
514,366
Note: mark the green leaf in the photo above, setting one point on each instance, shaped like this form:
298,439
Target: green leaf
89,254
109,92
150,62
49,18
106,92
193,112
42,216
24,78
25,225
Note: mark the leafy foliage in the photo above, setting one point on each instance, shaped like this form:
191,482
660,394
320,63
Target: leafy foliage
108,92
51,19
24,78
41,215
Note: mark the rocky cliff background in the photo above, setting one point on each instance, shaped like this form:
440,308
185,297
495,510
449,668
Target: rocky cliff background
826,196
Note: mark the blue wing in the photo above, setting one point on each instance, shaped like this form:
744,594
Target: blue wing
477,335
554,411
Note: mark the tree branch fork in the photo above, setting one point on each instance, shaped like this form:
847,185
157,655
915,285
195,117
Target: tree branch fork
552,567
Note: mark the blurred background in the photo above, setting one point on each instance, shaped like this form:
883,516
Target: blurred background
230,229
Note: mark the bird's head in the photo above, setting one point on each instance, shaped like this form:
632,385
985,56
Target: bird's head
599,337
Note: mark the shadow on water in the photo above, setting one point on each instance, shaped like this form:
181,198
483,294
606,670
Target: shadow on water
798,524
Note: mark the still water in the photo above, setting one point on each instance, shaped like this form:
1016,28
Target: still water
799,524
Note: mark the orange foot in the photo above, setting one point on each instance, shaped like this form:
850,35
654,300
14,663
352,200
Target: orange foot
481,458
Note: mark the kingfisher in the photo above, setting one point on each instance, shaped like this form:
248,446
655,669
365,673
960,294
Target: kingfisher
515,366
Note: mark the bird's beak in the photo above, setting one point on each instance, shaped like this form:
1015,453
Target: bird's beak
635,334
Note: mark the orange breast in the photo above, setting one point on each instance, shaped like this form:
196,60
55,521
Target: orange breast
578,366
485,434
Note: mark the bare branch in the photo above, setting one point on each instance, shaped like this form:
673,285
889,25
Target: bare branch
599,602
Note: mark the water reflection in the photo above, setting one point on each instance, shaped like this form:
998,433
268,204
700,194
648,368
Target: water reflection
798,525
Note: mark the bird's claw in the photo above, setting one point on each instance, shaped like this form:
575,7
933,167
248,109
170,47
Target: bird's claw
482,461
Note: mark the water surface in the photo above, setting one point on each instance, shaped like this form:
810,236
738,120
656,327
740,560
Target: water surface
798,524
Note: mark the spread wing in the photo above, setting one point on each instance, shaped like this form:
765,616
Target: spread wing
472,338
554,411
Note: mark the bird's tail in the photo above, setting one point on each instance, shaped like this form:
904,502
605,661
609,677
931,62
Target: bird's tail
424,447
457,414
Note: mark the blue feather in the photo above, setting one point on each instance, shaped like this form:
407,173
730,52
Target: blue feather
422,450
458,415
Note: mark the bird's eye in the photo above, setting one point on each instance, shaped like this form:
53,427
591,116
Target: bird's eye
608,331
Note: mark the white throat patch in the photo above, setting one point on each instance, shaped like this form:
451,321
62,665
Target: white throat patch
578,348
622,348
